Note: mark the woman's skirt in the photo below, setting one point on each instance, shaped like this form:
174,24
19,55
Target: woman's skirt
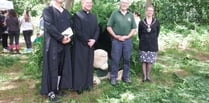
147,56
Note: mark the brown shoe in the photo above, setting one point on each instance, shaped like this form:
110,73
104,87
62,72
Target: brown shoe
17,51
11,51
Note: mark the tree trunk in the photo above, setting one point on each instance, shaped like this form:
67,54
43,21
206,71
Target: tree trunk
148,3
68,4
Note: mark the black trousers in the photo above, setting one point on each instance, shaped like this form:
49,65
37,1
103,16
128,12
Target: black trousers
14,35
1,32
5,40
27,36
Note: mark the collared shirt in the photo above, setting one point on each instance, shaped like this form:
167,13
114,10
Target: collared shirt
121,24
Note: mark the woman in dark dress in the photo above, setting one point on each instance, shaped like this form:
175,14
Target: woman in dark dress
148,32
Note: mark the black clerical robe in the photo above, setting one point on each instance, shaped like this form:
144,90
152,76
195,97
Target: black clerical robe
57,56
86,27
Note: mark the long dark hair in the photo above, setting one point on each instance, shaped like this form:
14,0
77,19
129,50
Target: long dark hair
12,13
26,15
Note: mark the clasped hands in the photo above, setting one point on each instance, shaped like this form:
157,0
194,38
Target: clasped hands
121,38
66,40
91,43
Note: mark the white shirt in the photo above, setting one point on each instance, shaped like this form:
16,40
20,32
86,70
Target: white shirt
25,25
137,20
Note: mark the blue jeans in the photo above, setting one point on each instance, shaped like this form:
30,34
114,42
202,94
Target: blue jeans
119,49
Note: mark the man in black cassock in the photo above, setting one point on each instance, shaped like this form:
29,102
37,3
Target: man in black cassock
57,72
87,32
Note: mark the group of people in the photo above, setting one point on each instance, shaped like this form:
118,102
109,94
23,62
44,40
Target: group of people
10,26
72,68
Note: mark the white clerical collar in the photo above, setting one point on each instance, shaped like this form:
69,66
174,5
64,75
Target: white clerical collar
58,8
87,12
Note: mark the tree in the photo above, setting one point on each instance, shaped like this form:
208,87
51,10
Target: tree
44,1
182,11
69,4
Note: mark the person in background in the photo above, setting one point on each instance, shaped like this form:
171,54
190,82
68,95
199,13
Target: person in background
38,38
14,31
1,24
57,70
121,26
137,19
86,33
41,25
4,31
27,29
149,30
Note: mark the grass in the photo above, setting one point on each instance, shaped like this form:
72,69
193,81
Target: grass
6,61
175,80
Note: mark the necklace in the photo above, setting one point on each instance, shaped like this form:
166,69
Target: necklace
149,25
148,28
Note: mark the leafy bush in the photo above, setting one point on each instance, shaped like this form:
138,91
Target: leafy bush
34,67
181,12
103,14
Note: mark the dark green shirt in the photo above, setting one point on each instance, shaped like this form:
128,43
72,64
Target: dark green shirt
121,24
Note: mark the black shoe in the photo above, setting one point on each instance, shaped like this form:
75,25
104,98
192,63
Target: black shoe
79,91
127,80
143,80
52,97
149,80
113,82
